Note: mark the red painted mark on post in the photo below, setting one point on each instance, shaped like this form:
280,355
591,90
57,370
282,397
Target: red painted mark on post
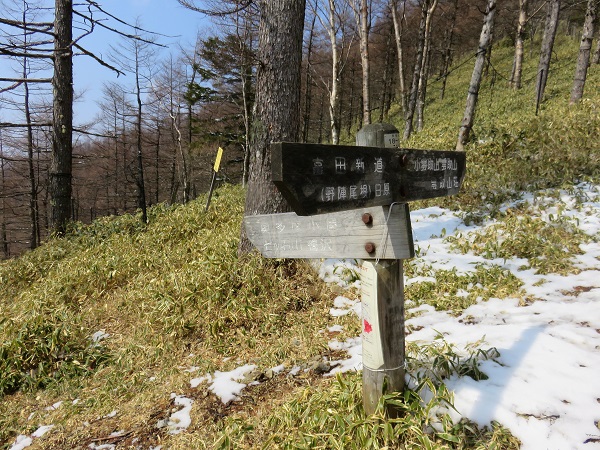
367,327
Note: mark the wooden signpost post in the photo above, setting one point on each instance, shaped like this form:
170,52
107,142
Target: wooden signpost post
351,202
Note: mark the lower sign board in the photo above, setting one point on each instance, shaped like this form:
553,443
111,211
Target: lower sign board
378,232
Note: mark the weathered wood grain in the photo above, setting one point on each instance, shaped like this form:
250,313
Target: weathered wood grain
336,235
317,178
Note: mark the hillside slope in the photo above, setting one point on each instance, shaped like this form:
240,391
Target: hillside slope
99,328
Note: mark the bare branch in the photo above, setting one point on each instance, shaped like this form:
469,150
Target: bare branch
4,51
41,27
121,33
99,60
238,6
89,133
24,125
26,80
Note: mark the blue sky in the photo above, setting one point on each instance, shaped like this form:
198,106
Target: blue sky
166,17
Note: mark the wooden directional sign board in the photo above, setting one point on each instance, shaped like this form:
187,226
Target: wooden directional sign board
344,234
317,179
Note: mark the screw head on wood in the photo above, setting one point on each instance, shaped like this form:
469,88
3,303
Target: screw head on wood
370,247
367,219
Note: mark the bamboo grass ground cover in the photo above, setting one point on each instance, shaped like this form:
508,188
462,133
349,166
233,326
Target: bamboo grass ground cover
117,334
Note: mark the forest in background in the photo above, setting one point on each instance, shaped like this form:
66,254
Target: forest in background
158,133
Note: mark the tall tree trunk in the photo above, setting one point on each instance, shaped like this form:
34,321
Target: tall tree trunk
414,88
3,231
424,75
157,159
277,116
334,92
141,186
596,58
447,56
546,50
484,43
245,42
308,78
33,203
387,79
398,30
585,48
62,123
515,78
361,13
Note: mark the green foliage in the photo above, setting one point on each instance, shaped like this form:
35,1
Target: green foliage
439,360
447,290
547,244
332,417
512,149
176,287
46,347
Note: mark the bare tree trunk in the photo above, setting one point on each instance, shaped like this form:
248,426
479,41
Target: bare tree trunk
157,159
246,83
398,30
414,88
277,115
308,81
546,50
33,203
447,56
585,48
484,43
62,123
361,13
387,78
596,59
334,92
3,232
424,75
141,194
515,78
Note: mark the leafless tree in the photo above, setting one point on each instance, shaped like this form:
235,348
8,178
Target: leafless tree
399,21
362,15
515,78
585,48
484,43
546,50
426,8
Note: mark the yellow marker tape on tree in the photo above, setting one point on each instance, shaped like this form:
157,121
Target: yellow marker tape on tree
218,160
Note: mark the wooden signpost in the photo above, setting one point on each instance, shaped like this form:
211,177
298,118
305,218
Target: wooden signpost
351,202
317,178
371,232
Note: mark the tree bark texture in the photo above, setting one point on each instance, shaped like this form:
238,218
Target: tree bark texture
596,58
414,88
62,126
334,92
277,116
485,40
363,31
424,74
141,186
515,79
546,49
447,55
398,29
585,49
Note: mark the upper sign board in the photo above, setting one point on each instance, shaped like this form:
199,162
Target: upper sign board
317,179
